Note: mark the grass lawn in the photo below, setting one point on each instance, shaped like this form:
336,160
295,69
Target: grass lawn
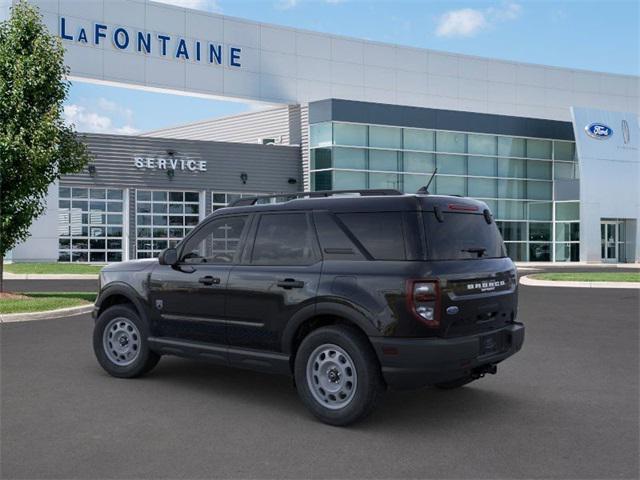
52,268
589,276
42,301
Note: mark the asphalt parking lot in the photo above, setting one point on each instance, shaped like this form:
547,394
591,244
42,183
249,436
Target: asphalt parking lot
565,407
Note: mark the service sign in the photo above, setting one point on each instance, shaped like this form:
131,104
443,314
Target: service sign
171,163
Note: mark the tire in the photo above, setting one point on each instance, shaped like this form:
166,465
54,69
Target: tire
453,384
340,359
123,351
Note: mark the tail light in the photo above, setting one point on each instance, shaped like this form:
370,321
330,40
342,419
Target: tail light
423,299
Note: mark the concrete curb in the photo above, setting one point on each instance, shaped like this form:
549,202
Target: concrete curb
532,282
49,276
49,314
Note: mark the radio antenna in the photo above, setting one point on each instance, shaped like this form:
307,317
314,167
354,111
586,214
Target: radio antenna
425,190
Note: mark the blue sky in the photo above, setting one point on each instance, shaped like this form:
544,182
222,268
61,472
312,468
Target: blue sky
597,35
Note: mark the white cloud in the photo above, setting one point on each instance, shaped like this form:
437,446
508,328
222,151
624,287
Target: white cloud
86,120
467,22
208,5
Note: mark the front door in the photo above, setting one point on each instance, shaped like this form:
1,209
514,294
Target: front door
189,298
609,241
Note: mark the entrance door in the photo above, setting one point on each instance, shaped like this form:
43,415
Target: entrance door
609,241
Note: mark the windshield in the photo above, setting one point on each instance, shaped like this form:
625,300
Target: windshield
461,236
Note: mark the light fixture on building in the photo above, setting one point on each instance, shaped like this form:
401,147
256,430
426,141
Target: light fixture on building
170,173
92,170
171,152
244,177
292,181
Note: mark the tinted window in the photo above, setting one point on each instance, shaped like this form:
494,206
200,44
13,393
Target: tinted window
217,242
380,233
462,236
285,239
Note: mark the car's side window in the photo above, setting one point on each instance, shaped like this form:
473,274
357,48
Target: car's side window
284,239
217,242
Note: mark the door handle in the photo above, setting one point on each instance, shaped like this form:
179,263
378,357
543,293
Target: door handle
209,280
289,283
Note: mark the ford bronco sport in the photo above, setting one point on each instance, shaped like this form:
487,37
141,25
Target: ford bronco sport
348,293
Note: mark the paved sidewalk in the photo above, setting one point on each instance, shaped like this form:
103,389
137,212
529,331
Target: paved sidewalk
534,282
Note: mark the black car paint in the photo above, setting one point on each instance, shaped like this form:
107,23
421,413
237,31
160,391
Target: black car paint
250,318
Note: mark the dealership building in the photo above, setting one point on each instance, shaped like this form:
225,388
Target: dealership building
553,151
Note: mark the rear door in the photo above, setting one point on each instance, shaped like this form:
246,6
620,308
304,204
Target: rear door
278,276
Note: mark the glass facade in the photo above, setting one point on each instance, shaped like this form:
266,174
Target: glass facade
513,175
90,224
163,218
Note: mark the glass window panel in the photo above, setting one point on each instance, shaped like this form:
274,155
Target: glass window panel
159,244
232,197
454,164
80,243
320,134
484,166
114,219
159,208
176,232
347,134
64,256
191,197
539,232
80,192
567,252
350,158
567,232
412,183
97,232
492,204
144,244
97,257
98,193
567,211
513,231
517,251
483,187
159,232
174,196
176,220
320,158
511,147
143,207
80,204
511,167
114,207
483,144
144,232
114,256
192,208
451,185
511,189
97,244
143,196
415,139
219,198
176,208
564,150
565,171
285,239
349,180
97,207
160,196
383,160
511,210
191,220
539,148
64,243
114,194
539,169
539,190
144,220
540,211
114,244
385,137
384,180
419,162
96,218
322,180
64,192
451,142
64,203
79,257
539,252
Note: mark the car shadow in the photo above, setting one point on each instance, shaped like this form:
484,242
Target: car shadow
426,407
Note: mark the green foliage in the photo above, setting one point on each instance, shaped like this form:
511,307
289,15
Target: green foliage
589,276
36,147
43,301
52,268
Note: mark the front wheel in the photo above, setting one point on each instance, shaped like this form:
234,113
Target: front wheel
120,343
337,375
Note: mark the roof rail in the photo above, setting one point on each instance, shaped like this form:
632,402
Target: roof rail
247,201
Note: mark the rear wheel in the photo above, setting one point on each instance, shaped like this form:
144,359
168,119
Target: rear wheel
120,343
337,375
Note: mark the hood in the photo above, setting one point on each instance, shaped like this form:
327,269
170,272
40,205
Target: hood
131,266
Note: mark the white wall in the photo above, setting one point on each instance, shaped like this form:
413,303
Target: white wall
609,176
286,65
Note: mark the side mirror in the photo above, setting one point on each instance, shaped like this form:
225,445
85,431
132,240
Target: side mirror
168,256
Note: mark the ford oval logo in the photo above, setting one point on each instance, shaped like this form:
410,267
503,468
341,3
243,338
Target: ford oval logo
599,131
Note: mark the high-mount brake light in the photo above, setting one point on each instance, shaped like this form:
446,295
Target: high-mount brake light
463,208
423,299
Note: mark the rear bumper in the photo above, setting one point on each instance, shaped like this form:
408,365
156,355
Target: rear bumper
417,362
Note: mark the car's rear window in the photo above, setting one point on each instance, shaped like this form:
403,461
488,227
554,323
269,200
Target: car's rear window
380,233
461,236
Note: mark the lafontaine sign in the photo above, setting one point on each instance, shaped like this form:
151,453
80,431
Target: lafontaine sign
171,163
162,45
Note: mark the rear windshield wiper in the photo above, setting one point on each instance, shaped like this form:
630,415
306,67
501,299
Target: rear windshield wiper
479,250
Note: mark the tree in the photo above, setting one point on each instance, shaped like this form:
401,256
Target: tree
36,147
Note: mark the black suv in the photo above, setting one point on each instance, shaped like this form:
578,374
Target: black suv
348,293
